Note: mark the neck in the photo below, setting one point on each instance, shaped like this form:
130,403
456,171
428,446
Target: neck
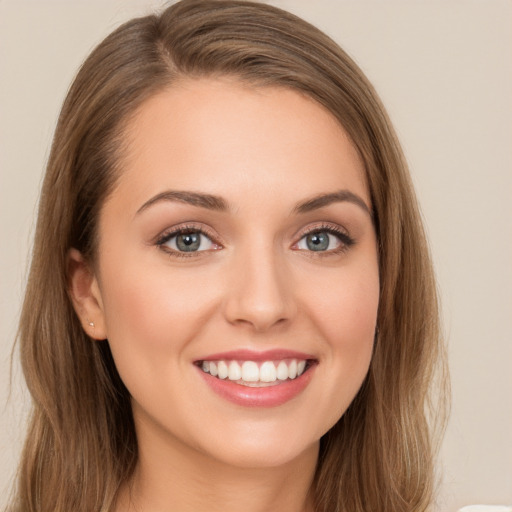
175,478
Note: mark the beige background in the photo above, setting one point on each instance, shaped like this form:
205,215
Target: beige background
443,69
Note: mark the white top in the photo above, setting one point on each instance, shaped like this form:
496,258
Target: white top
486,508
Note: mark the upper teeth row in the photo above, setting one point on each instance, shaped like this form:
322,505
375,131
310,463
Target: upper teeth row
249,371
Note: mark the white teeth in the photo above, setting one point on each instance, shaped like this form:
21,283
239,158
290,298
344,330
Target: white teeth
282,371
222,369
250,372
267,372
292,369
235,372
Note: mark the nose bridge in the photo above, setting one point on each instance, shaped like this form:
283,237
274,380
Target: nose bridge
260,292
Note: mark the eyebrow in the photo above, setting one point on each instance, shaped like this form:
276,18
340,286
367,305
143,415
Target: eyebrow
217,203
207,201
322,200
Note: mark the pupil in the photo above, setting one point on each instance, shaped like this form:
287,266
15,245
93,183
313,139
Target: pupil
188,241
317,241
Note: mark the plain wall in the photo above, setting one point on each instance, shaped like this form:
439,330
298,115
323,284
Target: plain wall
444,71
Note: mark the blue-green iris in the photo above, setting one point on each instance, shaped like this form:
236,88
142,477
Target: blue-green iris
188,242
317,241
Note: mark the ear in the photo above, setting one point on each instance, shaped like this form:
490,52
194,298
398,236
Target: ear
86,296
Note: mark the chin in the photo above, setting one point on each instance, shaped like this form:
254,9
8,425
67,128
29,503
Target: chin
258,455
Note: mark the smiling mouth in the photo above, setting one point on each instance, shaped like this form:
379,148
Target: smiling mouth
256,374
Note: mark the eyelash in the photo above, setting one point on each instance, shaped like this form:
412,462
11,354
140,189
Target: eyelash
346,241
181,230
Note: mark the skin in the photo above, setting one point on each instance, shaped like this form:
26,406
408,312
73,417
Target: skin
257,286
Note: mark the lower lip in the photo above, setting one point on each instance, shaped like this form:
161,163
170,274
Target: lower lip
268,396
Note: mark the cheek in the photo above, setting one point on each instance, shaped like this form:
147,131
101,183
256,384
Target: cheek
153,309
346,309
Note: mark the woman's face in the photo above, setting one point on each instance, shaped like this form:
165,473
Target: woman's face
238,241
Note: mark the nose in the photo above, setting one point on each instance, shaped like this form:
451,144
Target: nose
260,292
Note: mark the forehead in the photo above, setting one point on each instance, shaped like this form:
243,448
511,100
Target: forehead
230,137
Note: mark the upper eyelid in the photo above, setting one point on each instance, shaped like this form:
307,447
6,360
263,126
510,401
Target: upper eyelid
323,227
169,233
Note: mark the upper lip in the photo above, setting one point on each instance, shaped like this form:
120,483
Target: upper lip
253,355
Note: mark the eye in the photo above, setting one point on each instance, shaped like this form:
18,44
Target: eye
319,241
325,240
187,240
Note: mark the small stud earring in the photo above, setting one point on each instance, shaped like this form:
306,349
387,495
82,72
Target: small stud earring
91,324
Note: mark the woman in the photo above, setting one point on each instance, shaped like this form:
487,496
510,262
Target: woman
231,302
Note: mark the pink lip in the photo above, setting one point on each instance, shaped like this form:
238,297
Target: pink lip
269,396
252,355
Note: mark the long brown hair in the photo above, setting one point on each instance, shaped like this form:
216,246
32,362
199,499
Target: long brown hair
81,444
